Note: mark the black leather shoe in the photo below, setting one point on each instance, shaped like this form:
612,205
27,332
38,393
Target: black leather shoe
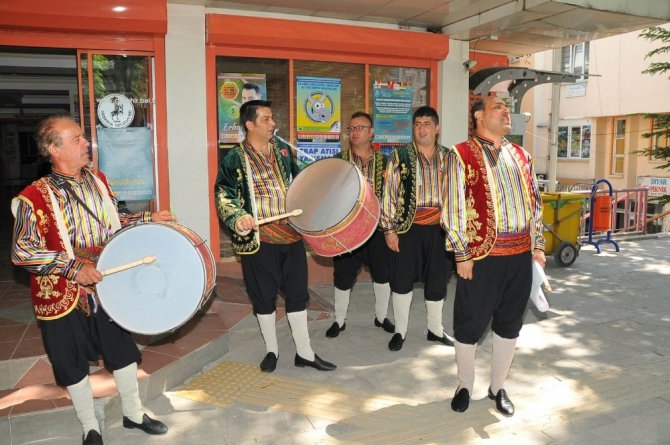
445,339
503,404
269,363
317,363
148,425
93,438
396,342
335,329
461,400
386,325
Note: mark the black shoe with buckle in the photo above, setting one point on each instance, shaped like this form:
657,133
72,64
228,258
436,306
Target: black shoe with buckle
317,363
92,438
461,400
503,404
148,425
386,325
335,329
269,363
396,342
445,339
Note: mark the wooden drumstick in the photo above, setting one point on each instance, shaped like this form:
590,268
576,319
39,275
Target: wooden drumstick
295,212
146,260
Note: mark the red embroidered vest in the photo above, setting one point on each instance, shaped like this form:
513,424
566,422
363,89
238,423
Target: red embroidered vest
481,232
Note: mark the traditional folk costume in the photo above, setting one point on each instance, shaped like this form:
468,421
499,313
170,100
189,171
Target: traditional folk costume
54,236
411,208
493,215
273,257
374,254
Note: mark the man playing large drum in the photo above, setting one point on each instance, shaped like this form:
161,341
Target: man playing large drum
374,253
62,222
251,185
411,222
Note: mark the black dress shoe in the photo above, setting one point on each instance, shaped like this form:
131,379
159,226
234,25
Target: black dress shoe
269,363
93,438
317,363
461,400
386,325
396,342
503,404
148,425
335,329
445,339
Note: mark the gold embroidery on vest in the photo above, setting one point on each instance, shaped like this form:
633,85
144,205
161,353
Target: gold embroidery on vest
472,224
47,284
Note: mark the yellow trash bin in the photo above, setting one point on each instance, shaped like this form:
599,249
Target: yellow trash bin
562,217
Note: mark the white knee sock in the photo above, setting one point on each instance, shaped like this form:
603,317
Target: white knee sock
401,306
126,384
434,316
341,305
382,295
298,322
465,363
501,360
269,331
81,394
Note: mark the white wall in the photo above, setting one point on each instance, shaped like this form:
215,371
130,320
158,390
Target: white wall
452,100
187,119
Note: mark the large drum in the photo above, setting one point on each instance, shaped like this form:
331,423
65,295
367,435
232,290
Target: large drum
340,210
160,296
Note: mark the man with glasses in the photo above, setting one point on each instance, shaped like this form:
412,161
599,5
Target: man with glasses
374,253
411,223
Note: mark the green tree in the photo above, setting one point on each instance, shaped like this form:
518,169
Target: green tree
660,132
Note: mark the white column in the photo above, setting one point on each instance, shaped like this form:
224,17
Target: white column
453,85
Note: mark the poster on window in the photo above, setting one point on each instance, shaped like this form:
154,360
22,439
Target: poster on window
318,117
234,89
392,105
125,157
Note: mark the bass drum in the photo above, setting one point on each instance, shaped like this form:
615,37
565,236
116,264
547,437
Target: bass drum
163,295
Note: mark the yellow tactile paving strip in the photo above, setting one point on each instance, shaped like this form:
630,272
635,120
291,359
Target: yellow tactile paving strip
231,381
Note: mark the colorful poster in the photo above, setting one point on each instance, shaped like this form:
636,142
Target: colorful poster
125,157
392,104
318,117
234,89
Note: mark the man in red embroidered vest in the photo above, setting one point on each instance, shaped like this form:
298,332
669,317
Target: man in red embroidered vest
492,214
62,222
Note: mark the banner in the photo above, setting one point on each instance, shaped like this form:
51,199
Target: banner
318,117
125,157
392,105
234,89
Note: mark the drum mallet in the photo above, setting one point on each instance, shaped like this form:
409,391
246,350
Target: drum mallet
295,212
146,260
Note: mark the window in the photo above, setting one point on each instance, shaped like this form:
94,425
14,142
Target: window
657,141
575,58
619,146
574,142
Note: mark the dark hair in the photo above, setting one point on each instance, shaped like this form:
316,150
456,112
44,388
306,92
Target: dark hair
249,111
363,114
426,111
252,86
476,106
46,134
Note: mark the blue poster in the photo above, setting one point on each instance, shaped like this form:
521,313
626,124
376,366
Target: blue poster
392,104
125,157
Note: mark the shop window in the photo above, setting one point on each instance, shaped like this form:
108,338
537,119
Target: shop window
575,58
619,146
574,142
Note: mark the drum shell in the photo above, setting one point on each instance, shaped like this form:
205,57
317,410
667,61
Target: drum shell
184,271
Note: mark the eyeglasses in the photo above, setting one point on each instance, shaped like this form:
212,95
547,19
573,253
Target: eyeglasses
357,128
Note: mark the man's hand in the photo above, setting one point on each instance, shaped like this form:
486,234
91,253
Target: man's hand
392,241
88,275
464,269
245,225
163,216
538,256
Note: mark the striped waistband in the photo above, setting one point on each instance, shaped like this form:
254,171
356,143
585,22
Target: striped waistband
511,244
275,233
427,216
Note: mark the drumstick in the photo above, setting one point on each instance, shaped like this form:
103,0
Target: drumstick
146,260
295,212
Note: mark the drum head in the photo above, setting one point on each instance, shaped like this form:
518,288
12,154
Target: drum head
326,191
156,297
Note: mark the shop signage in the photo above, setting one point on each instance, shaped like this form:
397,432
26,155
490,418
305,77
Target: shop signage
657,186
234,89
318,117
116,111
392,104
